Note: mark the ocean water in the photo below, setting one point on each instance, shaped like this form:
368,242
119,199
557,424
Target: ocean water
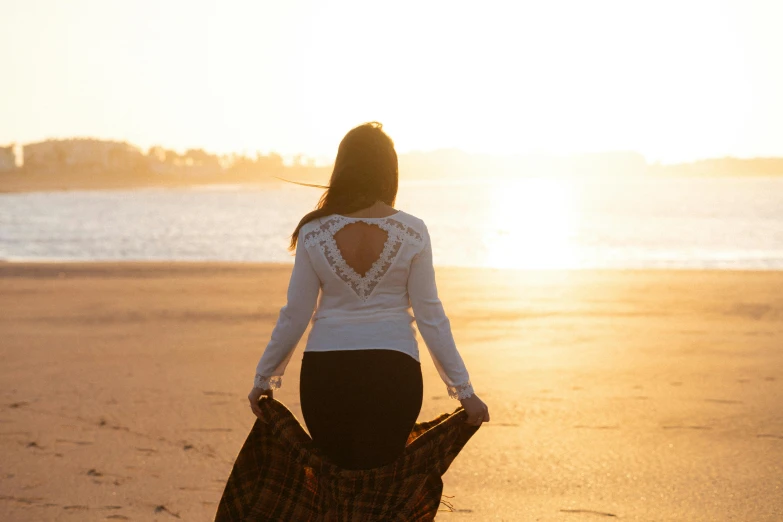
534,223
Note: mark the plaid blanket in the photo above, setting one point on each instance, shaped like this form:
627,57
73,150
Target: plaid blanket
280,475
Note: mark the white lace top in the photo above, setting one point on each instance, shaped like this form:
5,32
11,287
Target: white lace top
372,311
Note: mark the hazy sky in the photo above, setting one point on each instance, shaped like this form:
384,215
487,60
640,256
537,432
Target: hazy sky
674,80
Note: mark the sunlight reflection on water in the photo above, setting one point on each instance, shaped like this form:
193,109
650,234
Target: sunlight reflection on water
537,213
526,223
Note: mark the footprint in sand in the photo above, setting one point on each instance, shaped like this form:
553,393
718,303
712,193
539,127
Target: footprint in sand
589,512
77,442
23,500
164,509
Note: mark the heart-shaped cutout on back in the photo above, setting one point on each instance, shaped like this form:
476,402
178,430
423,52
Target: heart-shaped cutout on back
361,245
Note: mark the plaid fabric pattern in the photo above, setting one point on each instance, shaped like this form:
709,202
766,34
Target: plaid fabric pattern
280,475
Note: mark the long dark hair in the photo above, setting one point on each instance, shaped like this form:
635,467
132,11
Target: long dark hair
365,171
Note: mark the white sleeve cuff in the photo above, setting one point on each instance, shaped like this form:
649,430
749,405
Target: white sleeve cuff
267,383
460,391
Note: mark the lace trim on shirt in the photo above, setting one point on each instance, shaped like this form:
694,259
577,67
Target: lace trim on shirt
461,391
363,286
267,383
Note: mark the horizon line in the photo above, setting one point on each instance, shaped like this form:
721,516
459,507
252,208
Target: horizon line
411,152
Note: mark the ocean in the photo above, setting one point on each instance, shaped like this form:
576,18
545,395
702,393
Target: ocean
529,223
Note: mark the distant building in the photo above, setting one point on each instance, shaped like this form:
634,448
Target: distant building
193,162
82,155
7,158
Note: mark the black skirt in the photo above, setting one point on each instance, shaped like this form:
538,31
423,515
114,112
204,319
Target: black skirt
360,405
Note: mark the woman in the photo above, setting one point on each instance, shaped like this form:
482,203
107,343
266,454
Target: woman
361,382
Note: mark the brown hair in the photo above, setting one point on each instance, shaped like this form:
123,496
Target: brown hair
365,171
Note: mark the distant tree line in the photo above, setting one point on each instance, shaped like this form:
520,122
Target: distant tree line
723,167
86,155
104,157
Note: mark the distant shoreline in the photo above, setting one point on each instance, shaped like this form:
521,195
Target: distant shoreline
30,183
94,164
21,183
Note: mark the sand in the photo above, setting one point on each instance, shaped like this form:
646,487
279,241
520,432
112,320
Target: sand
628,395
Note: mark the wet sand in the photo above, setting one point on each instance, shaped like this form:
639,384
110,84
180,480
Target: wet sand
628,395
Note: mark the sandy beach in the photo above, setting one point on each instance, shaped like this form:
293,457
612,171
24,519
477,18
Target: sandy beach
628,395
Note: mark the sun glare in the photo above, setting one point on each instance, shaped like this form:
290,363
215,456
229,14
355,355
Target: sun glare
497,78
531,225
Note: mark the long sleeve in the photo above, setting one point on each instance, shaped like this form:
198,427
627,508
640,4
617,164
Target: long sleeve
294,317
433,324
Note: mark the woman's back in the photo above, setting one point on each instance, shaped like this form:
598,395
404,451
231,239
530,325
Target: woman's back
368,310
363,263
362,242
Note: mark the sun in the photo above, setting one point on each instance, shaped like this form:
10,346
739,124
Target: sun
532,224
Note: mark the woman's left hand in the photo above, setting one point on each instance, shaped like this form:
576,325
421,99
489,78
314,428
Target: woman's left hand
253,397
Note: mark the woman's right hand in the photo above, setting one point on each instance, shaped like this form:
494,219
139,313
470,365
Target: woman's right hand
253,397
476,409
